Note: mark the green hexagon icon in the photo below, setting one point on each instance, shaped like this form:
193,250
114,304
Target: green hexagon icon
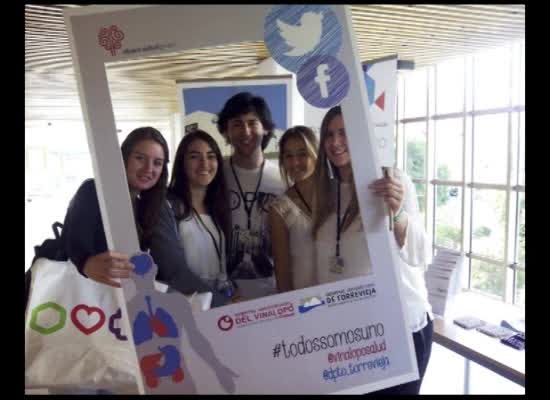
54,328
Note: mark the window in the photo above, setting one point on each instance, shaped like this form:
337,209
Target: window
466,156
448,205
488,223
490,148
520,252
415,141
449,139
450,86
415,103
492,72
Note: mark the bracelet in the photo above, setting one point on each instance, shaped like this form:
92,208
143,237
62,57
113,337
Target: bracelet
396,217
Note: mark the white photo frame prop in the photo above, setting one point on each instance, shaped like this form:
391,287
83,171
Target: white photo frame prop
356,339
203,111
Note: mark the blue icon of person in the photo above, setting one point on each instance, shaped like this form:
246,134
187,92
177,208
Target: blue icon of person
168,316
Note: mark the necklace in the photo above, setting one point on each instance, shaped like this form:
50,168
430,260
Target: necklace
222,283
247,208
218,244
337,264
302,198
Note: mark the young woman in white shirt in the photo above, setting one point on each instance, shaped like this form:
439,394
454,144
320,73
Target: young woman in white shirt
290,214
198,195
340,245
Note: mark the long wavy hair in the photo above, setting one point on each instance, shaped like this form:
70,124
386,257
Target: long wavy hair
326,181
179,193
147,209
309,139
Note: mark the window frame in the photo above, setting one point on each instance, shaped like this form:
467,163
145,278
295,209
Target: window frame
509,265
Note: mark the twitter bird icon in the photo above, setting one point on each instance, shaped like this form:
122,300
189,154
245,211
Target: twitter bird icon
305,36
295,33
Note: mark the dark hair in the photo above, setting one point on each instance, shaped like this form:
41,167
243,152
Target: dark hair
310,141
216,200
148,208
243,103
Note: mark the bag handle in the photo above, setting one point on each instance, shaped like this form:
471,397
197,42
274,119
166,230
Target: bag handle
56,226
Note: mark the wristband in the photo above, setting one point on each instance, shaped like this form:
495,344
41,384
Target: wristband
398,214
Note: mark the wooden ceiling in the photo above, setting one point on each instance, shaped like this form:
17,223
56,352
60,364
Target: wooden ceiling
144,90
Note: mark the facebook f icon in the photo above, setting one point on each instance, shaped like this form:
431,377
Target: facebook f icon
322,78
323,81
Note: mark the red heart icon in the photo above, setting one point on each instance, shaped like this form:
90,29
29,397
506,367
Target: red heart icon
89,310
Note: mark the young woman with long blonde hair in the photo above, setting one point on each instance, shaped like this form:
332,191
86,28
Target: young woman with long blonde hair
340,244
290,214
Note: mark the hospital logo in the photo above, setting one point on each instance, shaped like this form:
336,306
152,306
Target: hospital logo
225,323
309,303
110,38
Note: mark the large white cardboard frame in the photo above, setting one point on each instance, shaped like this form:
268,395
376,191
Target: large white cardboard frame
152,30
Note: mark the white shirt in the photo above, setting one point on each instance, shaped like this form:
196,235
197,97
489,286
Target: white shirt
353,247
249,255
354,251
200,251
300,242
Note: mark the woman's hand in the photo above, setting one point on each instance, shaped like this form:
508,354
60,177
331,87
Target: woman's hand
104,267
391,189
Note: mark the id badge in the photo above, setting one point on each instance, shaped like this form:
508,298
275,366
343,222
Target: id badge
224,285
337,265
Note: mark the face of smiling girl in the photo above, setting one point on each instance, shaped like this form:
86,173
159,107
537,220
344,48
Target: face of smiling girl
144,165
296,160
336,143
200,164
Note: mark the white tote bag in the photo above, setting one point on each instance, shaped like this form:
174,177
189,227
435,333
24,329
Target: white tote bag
74,336
74,339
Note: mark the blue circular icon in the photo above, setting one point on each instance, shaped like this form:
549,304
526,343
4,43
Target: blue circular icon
295,33
323,81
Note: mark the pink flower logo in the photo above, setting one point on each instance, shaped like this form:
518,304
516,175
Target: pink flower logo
110,38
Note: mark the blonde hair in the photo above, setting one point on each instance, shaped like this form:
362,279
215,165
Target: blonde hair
326,182
310,140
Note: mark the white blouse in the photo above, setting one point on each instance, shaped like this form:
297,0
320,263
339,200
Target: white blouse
353,246
200,251
301,246
354,251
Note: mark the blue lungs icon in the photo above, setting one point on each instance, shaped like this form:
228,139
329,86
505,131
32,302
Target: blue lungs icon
161,323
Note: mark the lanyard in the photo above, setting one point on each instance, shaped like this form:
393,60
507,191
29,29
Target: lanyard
245,203
302,198
217,244
338,224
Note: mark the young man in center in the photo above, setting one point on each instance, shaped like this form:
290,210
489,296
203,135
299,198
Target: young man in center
253,182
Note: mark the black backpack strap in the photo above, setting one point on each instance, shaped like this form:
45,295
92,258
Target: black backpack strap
56,226
51,249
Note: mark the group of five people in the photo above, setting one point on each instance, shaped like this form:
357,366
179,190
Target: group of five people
244,227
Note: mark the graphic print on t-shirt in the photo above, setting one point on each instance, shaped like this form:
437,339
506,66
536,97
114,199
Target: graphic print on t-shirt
250,248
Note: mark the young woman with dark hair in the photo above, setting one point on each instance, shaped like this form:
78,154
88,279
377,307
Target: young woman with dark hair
199,199
145,155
